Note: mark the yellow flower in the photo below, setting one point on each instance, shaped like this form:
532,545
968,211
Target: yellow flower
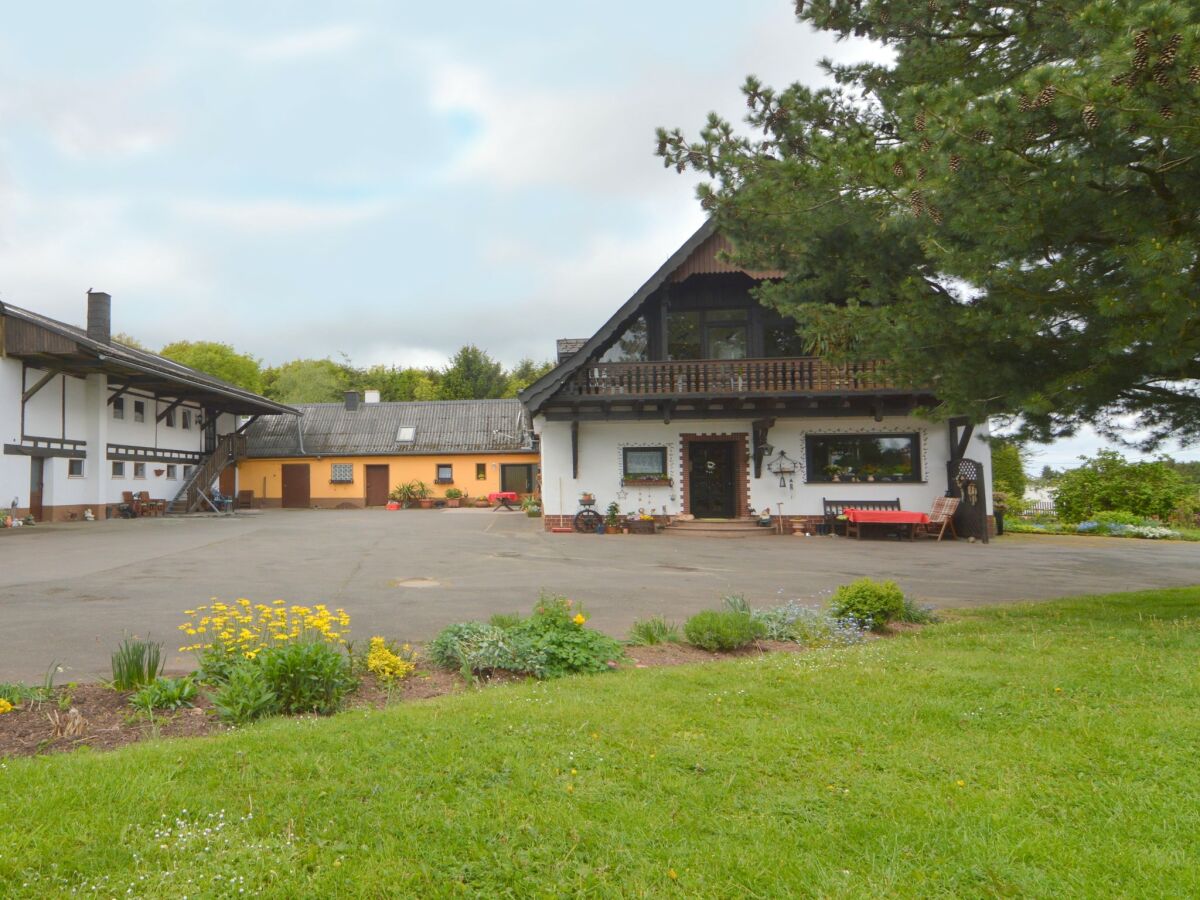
672,874
5,706
579,619
961,783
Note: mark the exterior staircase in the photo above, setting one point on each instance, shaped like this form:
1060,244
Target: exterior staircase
195,493
719,528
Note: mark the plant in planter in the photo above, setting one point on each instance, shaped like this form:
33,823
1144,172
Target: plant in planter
531,505
869,471
648,479
833,472
587,498
612,519
410,493
454,497
482,503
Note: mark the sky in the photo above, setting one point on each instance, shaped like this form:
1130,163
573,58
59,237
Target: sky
367,178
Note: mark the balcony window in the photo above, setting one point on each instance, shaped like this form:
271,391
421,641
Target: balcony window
863,458
631,346
780,339
708,334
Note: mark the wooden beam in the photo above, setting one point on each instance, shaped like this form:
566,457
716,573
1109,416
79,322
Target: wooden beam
759,432
575,448
245,425
166,412
120,392
41,383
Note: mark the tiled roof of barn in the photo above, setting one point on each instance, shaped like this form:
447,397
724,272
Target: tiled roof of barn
441,426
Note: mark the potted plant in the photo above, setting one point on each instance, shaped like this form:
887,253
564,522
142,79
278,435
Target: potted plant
833,472
482,503
869,471
532,507
453,497
587,498
612,519
410,493
424,495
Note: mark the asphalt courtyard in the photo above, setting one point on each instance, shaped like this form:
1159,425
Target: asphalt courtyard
68,593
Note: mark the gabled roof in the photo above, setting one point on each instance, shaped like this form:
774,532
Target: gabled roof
373,429
545,387
80,354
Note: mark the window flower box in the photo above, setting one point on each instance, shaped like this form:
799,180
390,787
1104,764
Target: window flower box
645,481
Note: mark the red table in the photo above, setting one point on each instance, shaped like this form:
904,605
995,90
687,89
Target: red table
884,517
503,499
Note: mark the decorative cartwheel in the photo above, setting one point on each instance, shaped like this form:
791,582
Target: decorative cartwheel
966,480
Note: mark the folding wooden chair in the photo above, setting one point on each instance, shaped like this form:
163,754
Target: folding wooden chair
941,517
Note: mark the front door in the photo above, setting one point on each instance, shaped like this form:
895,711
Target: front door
516,477
295,486
377,485
227,483
711,491
37,477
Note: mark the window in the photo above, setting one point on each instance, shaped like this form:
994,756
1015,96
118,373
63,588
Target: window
118,406
864,457
780,339
187,470
139,470
708,334
406,434
74,468
445,474
118,469
185,420
169,418
341,473
481,471
632,345
172,472
139,410
644,464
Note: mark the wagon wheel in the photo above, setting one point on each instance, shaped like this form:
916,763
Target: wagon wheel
587,521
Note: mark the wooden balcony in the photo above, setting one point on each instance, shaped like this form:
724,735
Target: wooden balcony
729,378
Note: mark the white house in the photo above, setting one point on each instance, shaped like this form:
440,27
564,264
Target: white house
84,419
695,400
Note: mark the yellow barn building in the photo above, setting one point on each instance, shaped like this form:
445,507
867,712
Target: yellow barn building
352,454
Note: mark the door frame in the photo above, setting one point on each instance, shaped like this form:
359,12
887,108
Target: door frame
37,487
741,468
387,477
532,482
283,484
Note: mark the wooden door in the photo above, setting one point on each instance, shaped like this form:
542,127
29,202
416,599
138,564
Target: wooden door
228,481
516,477
711,482
37,478
295,486
377,478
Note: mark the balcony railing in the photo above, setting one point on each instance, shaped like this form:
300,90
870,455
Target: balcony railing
739,377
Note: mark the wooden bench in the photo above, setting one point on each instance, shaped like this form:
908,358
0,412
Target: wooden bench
834,508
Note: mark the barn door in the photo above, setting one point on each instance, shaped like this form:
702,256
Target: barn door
967,483
37,485
295,486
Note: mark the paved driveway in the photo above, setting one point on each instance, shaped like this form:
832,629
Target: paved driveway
69,592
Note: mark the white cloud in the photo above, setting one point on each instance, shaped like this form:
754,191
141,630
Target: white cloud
278,216
291,46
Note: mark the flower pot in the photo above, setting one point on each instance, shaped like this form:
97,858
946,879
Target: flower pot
453,502
425,503
482,503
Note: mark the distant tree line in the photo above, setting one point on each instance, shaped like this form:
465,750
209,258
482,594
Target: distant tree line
471,375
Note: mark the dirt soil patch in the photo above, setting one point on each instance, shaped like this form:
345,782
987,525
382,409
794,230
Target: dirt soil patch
109,722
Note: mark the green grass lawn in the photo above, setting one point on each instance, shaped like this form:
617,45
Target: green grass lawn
1040,750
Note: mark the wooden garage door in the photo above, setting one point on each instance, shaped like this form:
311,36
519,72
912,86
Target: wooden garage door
295,486
377,485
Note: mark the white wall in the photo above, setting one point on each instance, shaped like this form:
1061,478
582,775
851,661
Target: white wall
600,445
14,470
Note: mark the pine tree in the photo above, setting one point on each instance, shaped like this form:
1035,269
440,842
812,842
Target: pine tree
1006,211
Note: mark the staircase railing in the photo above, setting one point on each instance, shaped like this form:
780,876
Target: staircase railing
194,492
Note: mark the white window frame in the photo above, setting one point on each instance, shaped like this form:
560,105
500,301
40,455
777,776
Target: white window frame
172,472
139,471
118,468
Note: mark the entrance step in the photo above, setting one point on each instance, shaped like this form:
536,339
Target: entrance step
722,528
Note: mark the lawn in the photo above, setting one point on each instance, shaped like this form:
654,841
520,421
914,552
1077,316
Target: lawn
1040,750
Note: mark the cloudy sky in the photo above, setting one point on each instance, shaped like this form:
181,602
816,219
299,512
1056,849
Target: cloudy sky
363,177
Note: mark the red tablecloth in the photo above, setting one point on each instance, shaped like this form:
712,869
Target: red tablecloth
890,516
510,496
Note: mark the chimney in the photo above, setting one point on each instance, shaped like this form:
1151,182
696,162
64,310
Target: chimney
371,397
351,400
99,317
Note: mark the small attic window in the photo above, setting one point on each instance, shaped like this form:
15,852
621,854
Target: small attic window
406,434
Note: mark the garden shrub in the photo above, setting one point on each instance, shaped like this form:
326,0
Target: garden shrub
653,631
505,620
550,643
727,629
308,676
871,603
390,663
917,615
1111,483
136,663
227,631
1008,469
244,696
166,693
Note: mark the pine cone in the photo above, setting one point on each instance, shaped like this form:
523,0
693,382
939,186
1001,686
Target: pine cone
898,169
1118,80
1046,96
982,136
1023,104
1139,60
1168,52
919,122
921,174
916,202
935,214
885,16
956,162
1141,40
1194,74
1166,112
926,145
1090,119
1161,74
